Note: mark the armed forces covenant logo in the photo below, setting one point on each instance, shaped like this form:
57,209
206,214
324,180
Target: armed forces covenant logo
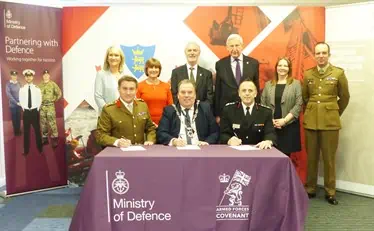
231,206
120,185
136,56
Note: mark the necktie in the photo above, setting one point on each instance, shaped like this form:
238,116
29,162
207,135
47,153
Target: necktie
187,121
130,108
29,98
192,77
238,73
321,71
248,113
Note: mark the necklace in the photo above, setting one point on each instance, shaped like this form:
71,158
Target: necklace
190,130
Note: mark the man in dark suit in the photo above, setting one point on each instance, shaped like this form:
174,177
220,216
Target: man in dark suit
245,122
189,121
199,75
231,71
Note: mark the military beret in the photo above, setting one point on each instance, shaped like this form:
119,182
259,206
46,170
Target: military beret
13,73
28,72
45,72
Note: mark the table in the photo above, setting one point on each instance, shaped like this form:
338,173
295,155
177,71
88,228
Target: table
216,188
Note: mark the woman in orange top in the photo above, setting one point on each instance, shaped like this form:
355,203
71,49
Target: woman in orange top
154,92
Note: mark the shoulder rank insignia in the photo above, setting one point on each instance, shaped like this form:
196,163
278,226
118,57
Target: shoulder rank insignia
117,103
264,106
230,103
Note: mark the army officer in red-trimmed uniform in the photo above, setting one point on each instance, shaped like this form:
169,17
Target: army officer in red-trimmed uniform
126,121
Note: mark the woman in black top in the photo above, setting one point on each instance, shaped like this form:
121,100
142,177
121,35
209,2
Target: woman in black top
283,96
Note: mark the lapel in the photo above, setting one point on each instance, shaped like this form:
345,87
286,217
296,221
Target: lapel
123,108
184,73
230,75
245,67
285,92
199,77
272,95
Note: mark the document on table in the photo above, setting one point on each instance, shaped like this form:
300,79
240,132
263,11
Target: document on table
245,148
133,148
189,147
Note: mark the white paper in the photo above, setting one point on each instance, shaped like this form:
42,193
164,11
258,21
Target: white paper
133,148
189,147
245,148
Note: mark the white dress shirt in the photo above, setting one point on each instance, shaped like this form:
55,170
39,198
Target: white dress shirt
194,71
36,97
233,65
129,106
250,108
182,131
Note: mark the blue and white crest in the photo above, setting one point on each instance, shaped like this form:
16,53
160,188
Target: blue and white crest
136,56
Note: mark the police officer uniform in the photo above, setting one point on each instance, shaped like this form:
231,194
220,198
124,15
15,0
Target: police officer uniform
12,91
251,128
50,94
326,95
117,121
30,99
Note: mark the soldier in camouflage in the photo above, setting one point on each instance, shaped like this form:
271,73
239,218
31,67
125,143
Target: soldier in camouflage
50,94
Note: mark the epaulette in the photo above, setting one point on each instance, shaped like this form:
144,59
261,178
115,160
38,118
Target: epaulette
230,103
264,106
112,103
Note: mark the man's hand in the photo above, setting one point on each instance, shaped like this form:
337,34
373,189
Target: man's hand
179,142
234,141
218,119
148,143
123,143
266,144
202,143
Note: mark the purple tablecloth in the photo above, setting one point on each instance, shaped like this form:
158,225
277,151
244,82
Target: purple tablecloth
216,188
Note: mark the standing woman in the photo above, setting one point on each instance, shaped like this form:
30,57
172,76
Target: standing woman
106,80
283,96
154,92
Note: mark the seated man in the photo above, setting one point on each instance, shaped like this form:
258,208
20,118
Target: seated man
246,122
189,121
127,120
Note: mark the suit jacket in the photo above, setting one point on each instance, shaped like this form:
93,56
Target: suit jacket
258,127
326,97
169,126
291,101
116,121
204,83
226,89
106,89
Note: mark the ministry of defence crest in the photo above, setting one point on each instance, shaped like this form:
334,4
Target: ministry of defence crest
231,206
136,56
120,185
8,14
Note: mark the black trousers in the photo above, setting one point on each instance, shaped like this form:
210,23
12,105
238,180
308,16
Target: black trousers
16,119
31,117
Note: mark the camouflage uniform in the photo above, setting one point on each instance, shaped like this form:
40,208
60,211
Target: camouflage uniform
50,94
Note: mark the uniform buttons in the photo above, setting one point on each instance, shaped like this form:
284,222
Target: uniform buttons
134,126
135,135
320,87
318,101
259,130
133,117
320,79
246,137
319,94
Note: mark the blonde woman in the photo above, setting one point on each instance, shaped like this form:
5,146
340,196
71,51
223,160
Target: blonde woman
106,80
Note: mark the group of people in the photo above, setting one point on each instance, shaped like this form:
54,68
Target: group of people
37,102
192,111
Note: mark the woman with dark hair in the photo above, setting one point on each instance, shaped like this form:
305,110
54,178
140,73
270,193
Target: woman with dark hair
154,92
283,96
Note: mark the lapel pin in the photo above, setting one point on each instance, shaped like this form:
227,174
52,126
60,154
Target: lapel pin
247,62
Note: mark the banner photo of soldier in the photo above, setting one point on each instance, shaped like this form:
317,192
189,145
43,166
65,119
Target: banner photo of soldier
209,26
295,38
33,111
